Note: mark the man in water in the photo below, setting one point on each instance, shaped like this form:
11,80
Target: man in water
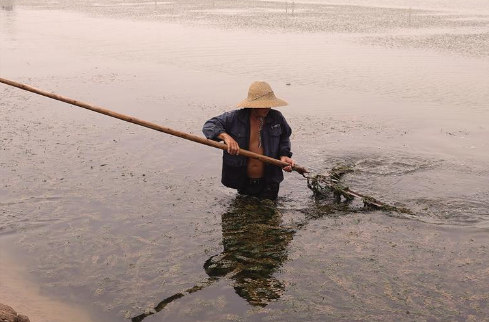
257,128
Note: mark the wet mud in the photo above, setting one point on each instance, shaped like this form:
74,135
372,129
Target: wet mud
129,223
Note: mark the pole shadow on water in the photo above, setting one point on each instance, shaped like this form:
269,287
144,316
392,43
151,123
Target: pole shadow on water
255,246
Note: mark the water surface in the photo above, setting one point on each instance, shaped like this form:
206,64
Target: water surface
118,218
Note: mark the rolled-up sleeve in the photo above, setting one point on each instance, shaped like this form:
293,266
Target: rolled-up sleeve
217,125
284,145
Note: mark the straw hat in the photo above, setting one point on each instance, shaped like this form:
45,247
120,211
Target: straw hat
260,95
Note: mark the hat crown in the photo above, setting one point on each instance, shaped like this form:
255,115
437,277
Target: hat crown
260,89
261,95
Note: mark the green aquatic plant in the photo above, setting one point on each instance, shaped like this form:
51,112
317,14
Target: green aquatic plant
323,185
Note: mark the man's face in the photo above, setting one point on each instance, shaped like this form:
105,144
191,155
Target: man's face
261,112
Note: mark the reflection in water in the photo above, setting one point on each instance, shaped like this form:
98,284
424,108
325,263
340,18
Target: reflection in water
255,246
7,5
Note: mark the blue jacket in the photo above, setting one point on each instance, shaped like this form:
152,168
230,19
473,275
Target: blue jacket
275,138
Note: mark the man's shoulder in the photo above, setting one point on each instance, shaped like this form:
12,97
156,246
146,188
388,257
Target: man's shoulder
233,118
276,115
235,113
228,117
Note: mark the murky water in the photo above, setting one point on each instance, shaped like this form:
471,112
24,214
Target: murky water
131,223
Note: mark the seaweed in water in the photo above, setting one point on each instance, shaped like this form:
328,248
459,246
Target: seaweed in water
322,185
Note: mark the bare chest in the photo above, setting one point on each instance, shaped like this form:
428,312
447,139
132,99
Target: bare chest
255,139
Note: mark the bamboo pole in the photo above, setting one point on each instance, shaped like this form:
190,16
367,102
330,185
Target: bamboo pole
150,125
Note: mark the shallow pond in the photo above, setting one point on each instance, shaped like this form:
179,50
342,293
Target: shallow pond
130,223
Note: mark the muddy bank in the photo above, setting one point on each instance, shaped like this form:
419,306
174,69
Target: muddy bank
24,293
8,314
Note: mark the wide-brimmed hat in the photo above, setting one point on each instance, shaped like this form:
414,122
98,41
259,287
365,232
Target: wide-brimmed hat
260,95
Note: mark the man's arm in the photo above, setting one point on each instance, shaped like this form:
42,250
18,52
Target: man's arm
285,146
215,129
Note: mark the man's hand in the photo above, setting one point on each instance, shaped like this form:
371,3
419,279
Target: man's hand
289,161
233,147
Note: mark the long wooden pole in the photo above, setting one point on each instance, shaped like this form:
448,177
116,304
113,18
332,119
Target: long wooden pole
150,125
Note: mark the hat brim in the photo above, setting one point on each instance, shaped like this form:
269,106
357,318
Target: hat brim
276,102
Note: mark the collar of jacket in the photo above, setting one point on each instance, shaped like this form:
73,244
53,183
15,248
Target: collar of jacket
244,116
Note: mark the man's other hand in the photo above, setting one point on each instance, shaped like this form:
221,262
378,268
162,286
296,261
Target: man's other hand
289,161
